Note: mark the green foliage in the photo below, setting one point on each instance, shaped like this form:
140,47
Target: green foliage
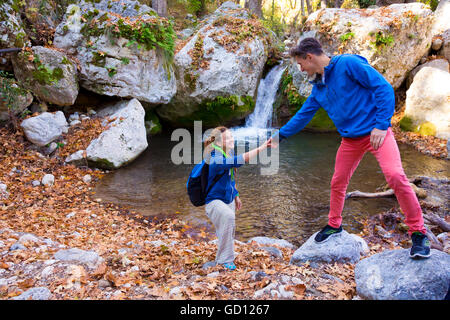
125,60
406,124
366,3
44,75
432,3
347,36
382,41
350,4
111,71
9,91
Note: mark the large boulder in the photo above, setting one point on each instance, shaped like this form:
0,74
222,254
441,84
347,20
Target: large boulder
342,247
122,142
441,20
48,73
218,70
44,128
392,39
393,275
445,49
436,63
427,105
124,49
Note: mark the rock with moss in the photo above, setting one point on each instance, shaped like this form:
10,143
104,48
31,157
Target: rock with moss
124,49
48,73
393,39
13,98
218,70
123,141
427,105
12,33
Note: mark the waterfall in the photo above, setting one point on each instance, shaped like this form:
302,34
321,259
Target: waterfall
258,124
267,91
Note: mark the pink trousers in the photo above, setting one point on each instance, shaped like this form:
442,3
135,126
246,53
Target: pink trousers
348,157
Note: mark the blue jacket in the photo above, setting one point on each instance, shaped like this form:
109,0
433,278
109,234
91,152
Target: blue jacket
356,97
225,188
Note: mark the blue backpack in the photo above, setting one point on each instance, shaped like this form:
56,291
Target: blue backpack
198,181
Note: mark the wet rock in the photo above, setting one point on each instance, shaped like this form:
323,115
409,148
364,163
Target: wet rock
39,293
342,247
393,275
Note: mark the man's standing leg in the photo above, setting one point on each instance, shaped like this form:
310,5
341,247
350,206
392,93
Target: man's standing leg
348,157
388,157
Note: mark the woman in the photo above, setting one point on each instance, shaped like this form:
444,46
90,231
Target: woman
223,198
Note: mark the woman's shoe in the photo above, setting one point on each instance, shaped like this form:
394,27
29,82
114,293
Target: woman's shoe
229,265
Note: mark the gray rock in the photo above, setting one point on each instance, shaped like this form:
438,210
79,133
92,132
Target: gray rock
272,241
48,180
427,100
74,122
44,128
274,252
38,293
441,21
441,64
103,283
87,178
89,258
156,82
393,275
17,246
61,90
123,142
28,237
209,264
257,275
342,247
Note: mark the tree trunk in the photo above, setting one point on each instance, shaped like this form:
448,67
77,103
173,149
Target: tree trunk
308,6
255,7
160,6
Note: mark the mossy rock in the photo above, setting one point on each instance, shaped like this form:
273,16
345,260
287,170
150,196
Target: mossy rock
427,129
219,111
406,124
321,122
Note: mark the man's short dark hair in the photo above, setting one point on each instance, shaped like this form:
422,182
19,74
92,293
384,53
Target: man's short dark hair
307,45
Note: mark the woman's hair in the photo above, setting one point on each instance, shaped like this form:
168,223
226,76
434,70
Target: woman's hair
215,137
307,45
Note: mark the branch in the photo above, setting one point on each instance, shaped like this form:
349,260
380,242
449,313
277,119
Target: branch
432,218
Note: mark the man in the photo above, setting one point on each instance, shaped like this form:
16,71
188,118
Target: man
361,103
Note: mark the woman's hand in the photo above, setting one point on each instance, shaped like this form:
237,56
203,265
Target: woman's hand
238,203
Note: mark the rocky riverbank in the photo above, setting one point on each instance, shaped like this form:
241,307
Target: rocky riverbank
58,241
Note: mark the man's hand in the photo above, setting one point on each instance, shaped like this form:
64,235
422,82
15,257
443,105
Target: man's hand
377,137
238,203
